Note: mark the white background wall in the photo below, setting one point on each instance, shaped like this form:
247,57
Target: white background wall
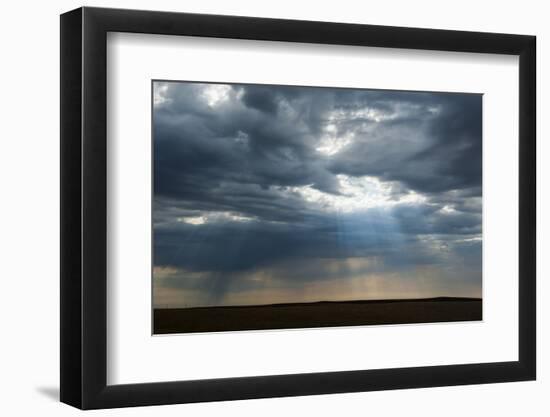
29,177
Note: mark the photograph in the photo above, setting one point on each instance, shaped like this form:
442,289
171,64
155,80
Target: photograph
279,207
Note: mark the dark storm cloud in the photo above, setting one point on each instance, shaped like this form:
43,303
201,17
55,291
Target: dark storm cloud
244,178
261,98
242,245
428,219
239,245
268,137
240,145
437,150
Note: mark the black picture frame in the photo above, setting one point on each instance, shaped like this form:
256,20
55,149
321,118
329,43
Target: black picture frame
84,208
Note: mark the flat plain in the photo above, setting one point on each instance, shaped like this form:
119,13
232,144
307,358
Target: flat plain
317,314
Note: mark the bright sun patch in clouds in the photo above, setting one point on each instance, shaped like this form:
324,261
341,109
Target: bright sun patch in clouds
216,94
332,143
447,209
357,194
159,94
192,220
215,216
365,113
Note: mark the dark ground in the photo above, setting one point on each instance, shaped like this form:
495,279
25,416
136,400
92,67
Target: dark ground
321,314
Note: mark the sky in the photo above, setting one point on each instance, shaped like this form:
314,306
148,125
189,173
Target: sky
277,194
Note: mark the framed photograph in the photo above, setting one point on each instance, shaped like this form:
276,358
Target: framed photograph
258,208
